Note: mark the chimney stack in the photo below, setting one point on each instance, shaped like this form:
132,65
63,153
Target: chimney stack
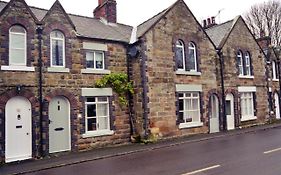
209,22
106,10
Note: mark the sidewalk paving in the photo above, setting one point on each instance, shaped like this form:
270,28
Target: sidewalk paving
80,157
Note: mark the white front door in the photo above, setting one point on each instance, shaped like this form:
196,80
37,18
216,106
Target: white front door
277,110
229,106
214,115
59,125
18,129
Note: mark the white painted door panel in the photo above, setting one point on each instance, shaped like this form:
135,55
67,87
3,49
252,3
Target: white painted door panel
214,115
277,111
18,124
59,125
230,112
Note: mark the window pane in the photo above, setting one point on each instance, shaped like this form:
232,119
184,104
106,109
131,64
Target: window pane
57,34
17,41
91,111
17,56
89,59
99,60
17,29
91,99
180,57
92,124
102,109
195,104
191,58
181,105
102,99
103,123
188,104
187,117
57,52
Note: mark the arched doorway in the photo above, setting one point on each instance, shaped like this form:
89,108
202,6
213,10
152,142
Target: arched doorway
18,129
214,121
229,110
59,125
277,109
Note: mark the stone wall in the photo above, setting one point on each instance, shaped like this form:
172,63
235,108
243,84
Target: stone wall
159,45
241,39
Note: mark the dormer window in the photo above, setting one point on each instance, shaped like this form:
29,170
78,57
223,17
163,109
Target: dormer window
17,46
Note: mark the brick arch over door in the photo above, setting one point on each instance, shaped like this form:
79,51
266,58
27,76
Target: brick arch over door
73,118
4,98
237,107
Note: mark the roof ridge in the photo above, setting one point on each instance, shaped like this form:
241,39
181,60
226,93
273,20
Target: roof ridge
77,15
153,17
218,25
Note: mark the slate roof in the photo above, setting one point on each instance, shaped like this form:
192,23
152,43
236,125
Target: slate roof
145,26
90,27
218,33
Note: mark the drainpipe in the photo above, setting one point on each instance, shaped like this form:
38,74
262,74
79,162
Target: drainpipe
144,93
130,96
40,90
220,54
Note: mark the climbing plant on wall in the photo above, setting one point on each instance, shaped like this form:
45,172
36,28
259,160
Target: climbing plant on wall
119,84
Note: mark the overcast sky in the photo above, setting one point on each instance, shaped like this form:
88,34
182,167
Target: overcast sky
134,12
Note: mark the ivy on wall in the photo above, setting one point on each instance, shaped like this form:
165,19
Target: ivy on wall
119,84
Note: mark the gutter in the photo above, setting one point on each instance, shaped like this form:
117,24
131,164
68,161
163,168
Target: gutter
220,54
39,31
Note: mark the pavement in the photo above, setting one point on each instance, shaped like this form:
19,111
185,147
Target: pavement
65,159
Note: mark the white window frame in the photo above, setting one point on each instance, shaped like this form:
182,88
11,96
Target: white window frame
248,66
97,132
185,98
274,71
240,66
11,47
94,53
192,47
180,45
247,99
63,48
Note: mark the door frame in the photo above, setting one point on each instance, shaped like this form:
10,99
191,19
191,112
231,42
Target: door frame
69,125
210,111
5,97
232,99
277,105
25,100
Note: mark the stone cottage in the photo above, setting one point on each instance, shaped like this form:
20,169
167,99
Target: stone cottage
244,73
49,63
176,73
184,78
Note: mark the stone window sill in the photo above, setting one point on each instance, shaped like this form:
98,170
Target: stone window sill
181,72
246,77
18,68
95,71
97,134
190,125
58,69
275,80
248,118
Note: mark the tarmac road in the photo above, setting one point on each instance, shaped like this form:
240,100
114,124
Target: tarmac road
257,153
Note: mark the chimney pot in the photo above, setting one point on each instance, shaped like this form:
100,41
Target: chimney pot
107,10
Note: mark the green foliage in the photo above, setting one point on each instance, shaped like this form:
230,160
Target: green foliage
119,83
